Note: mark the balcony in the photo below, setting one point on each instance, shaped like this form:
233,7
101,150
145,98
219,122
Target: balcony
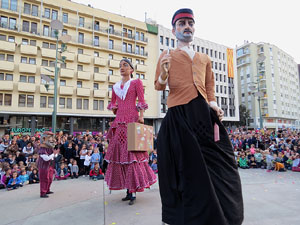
65,90
85,92
113,78
26,87
243,61
114,63
67,73
141,68
27,68
100,61
49,53
28,50
7,66
83,75
70,56
101,77
6,85
100,93
44,91
7,46
82,58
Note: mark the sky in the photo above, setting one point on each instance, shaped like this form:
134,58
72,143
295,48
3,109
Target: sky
229,22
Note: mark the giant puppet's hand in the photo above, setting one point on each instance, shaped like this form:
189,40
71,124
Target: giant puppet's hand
165,64
218,110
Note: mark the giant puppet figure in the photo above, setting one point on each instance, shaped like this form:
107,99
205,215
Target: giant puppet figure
45,163
198,177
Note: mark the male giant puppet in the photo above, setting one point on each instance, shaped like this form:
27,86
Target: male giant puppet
46,163
198,177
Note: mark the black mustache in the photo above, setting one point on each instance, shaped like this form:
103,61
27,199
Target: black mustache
187,30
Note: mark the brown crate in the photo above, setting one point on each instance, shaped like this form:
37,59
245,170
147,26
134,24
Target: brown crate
139,137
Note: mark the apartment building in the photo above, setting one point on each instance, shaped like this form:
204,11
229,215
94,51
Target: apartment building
99,41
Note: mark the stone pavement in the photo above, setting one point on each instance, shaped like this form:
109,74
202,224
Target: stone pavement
269,199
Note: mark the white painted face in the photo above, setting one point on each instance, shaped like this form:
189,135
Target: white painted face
184,30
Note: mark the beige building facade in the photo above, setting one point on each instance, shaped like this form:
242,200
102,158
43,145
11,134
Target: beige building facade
99,41
276,78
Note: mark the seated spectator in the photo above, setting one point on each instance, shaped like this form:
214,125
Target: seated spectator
269,161
154,165
16,168
279,166
24,177
296,163
62,172
289,163
6,176
96,173
28,149
14,182
252,163
243,162
34,177
74,170
258,158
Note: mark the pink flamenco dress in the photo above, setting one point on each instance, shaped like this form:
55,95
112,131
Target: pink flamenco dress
126,169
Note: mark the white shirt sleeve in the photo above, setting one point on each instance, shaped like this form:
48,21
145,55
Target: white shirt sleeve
213,103
161,81
47,157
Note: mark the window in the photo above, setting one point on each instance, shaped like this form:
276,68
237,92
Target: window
4,4
217,88
172,43
221,89
10,58
224,78
9,77
85,104
27,8
64,32
7,99
33,42
62,83
110,87
4,22
96,86
129,33
167,41
142,51
47,13
211,53
35,10
52,46
31,79
142,36
129,48
23,59
80,51
96,40
96,25
161,40
81,38
111,29
32,61
137,49
110,56
50,102
79,84
95,105
62,103
30,100
69,103
43,102
79,103
2,56
137,35
65,17
54,15
22,100
12,24
25,26
98,105
81,21
142,76
44,62
79,67
10,38
111,44
224,67
46,31
137,75
221,77
110,72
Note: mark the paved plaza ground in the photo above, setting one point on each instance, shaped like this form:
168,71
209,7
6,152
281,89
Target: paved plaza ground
269,198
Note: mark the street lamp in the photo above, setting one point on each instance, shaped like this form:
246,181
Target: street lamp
57,25
259,62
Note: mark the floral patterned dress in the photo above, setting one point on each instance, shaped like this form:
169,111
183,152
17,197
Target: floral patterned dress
127,170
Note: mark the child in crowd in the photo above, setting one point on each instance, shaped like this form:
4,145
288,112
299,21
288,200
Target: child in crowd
252,149
296,163
24,177
34,177
87,162
96,173
14,182
154,165
96,158
74,170
6,177
252,162
62,172
243,162
269,161
258,158
279,166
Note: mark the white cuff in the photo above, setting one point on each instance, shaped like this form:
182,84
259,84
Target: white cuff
213,103
47,157
161,81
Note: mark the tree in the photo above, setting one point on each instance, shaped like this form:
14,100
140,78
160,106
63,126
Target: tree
244,116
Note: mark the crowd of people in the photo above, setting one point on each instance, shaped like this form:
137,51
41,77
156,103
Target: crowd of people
270,150
82,155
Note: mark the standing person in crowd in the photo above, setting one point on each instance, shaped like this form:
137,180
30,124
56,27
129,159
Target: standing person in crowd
124,165
96,158
198,177
74,170
45,162
87,164
82,154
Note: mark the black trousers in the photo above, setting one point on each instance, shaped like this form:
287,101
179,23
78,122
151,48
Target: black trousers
198,177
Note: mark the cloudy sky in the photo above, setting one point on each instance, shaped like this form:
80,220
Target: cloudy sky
227,22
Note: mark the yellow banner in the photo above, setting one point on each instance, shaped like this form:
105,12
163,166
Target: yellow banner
230,68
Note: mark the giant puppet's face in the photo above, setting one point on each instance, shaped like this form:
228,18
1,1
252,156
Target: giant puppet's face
184,30
50,141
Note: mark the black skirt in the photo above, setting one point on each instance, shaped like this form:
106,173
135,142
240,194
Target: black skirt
198,177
